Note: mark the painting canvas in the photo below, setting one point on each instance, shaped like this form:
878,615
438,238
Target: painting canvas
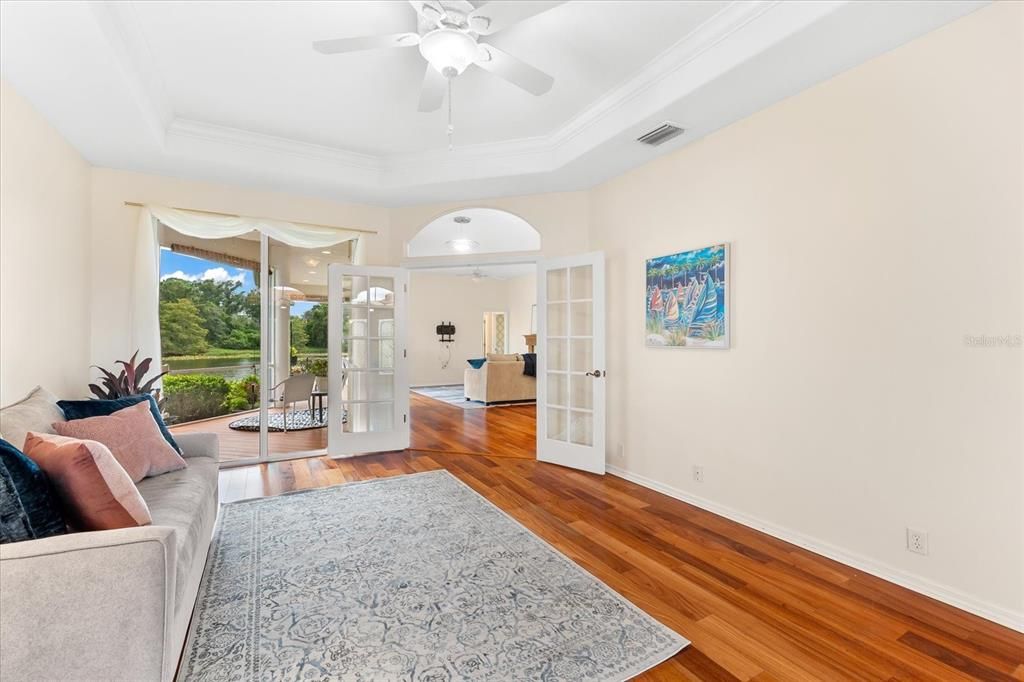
687,299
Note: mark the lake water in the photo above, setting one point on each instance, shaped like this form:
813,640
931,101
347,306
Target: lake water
229,368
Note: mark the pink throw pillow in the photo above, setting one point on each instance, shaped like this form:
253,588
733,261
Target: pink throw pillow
133,438
95,490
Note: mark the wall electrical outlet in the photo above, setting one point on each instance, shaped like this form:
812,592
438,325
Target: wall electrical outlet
917,541
698,473
619,452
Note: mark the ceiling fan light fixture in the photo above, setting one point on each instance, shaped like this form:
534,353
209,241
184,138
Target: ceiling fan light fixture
462,245
448,50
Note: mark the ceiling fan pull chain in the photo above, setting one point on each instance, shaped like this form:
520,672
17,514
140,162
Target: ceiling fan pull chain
451,128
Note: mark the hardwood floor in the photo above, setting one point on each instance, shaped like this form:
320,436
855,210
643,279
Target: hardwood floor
755,608
505,431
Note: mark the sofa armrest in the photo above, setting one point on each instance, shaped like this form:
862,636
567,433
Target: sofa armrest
89,606
198,445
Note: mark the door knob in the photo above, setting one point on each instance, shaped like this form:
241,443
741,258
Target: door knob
597,374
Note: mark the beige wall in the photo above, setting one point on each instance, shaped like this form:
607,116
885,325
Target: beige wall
435,298
875,221
44,256
522,296
114,227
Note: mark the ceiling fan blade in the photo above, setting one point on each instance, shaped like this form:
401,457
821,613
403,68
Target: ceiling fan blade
431,9
494,16
513,70
339,45
434,87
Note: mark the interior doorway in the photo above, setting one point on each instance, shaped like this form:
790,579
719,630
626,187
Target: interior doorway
473,296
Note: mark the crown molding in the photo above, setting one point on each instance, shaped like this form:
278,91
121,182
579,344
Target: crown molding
613,113
120,26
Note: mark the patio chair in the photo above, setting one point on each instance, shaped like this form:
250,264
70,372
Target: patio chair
297,388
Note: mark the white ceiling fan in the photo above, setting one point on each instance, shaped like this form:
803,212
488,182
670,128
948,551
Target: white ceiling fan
476,275
448,33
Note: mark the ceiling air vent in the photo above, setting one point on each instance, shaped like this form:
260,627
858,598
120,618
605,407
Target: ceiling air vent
663,133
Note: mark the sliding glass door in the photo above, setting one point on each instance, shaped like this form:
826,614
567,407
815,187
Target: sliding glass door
244,336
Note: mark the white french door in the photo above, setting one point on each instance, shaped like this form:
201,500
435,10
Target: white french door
368,381
570,362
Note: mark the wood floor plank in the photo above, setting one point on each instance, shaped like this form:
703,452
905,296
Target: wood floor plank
755,607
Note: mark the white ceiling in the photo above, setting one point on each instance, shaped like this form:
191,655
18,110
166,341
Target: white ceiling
233,92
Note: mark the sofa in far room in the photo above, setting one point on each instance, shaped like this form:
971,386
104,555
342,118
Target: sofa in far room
107,604
500,379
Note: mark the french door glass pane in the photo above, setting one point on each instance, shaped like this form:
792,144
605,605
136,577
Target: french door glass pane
368,417
558,356
558,285
557,423
582,282
558,319
558,389
582,354
369,385
582,428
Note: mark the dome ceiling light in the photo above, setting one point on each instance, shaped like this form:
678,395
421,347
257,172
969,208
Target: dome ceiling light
448,40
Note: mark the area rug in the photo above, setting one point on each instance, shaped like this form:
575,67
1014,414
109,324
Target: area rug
298,420
455,395
415,578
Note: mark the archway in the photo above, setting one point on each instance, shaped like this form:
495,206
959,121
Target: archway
469,232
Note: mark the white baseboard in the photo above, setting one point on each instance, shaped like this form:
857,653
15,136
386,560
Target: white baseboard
943,593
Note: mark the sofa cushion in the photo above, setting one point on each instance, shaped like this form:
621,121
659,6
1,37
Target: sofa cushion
34,493
83,409
35,412
185,500
94,489
133,438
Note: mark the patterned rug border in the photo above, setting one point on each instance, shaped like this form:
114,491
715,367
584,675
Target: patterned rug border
637,669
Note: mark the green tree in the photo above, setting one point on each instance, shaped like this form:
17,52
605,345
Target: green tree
215,321
299,337
316,326
174,289
181,328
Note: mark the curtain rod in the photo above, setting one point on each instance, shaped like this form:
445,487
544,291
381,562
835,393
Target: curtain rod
235,215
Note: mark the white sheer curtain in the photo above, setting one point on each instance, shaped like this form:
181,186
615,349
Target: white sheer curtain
145,314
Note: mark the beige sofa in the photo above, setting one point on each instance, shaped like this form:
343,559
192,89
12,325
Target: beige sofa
500,380
115,604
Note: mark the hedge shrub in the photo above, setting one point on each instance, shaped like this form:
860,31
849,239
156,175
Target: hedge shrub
195,396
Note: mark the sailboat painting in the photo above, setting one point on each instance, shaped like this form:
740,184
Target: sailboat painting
687,299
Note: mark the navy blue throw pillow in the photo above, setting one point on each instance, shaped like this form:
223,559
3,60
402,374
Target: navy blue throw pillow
476,363
14,525
83,409
39,504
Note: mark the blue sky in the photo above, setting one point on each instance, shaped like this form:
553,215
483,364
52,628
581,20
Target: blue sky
192,268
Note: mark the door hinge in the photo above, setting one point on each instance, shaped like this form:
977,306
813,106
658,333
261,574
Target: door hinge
405,288
405,418
405,353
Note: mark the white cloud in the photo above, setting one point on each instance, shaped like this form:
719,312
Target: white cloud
215,274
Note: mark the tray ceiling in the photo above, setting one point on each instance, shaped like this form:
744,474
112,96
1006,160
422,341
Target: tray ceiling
233,92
